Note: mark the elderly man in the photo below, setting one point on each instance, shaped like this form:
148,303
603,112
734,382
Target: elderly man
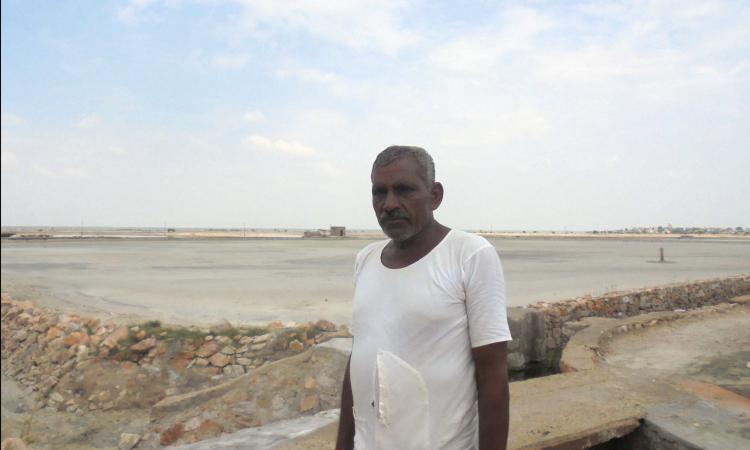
428,364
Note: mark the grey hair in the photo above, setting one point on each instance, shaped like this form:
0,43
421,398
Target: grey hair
420,155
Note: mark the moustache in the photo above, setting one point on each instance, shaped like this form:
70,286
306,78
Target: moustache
393,215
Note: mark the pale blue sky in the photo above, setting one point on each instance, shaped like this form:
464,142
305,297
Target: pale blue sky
539,114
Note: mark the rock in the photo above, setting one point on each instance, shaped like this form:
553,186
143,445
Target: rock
244,361
228,350
244,340
275,325
233,370
141,335
309,403
56,397
310,383
325,325
219,360
24,318
192,424
115,337
221,327
172,434
201,362
186,354
262,338
82,352
208,349
144,345
208,429
257,347
128,441
296,346
53,332
13,444
179,364
20,336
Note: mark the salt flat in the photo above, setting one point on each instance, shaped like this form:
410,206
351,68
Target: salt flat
255,281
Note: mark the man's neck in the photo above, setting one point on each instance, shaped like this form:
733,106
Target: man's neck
399,254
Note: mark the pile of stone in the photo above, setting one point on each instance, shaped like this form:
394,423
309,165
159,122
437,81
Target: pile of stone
623,304
80,364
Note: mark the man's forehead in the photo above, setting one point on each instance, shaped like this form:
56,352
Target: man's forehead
405,166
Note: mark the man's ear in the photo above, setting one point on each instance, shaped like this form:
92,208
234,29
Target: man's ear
437,195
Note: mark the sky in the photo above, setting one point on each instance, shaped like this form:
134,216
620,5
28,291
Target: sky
576,115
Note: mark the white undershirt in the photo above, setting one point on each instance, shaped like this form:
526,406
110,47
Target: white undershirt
412,370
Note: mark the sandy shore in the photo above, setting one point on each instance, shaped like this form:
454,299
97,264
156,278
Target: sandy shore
179,233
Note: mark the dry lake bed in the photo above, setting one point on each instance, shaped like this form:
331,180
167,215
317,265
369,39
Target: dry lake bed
256,281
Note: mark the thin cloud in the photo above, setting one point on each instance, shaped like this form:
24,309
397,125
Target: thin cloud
9,160
229,61
117,151
334,83
483,50
90,121
133,11
253,116
12,120
62,172
361,25
293,148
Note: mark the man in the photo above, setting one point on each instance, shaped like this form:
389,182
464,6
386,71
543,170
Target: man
428,363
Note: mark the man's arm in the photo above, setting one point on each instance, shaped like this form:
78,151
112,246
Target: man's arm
345,439
492,395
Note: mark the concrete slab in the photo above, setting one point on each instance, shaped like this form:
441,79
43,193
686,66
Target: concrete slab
700,424
600,402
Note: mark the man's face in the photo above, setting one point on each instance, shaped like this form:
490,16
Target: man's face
402,201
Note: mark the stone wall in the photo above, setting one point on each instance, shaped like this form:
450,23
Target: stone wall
682,296
80,364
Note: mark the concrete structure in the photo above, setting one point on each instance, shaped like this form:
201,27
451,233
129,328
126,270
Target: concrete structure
620,403
337,231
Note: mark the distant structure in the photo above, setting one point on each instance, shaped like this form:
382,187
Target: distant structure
338,231
313,234
334,231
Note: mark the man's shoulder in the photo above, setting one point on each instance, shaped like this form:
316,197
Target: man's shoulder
370,249
466,244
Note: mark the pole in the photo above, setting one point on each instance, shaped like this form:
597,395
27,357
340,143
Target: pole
661,254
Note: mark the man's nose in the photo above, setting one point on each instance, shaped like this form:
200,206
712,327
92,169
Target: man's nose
391,202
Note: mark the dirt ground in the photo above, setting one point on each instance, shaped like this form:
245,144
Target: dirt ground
49,429
715,349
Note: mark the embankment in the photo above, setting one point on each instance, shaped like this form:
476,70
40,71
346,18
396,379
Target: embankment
540,331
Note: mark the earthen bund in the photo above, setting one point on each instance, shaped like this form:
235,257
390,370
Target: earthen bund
541,332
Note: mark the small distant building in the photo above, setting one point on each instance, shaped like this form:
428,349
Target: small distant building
334,231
